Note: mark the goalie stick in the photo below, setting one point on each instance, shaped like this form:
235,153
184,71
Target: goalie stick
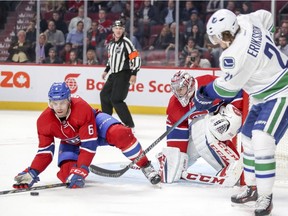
117,173
33,188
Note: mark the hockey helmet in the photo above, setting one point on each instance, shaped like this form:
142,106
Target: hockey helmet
118,23
221,21
183,86
59,91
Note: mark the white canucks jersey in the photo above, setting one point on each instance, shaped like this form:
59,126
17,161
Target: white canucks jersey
253,62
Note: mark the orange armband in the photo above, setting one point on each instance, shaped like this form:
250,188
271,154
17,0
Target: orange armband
133,54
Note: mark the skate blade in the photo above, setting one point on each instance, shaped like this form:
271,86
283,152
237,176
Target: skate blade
157,186
249,205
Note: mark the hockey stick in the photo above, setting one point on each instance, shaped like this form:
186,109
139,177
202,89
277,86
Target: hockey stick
117,173
33,188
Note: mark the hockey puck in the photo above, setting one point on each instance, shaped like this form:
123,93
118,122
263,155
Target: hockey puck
34,193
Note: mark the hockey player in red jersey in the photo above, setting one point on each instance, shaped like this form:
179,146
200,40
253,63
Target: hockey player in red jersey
202,135
81,130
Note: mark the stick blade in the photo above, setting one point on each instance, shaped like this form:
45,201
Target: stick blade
107,173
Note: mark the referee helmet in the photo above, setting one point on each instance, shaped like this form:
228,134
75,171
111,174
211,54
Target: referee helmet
118,23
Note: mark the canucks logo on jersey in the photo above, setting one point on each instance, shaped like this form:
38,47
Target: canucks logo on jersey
228,62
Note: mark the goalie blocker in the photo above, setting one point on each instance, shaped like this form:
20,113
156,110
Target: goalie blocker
210,137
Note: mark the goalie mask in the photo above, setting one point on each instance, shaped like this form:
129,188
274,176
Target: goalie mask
183,87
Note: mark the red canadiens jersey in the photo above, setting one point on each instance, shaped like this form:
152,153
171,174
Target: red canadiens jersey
179,137
78,129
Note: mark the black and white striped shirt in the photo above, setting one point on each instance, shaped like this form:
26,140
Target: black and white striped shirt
122,55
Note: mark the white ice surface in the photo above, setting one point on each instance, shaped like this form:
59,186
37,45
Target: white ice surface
130,194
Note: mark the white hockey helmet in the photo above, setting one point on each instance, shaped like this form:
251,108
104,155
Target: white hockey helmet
183,86
221,21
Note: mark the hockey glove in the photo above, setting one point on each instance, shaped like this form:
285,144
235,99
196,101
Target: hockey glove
26,179
201,100
77,176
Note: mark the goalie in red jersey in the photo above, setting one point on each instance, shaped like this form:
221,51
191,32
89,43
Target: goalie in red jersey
203,134
81,130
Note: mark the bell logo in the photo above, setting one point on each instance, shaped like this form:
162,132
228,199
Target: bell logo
18,80
71,82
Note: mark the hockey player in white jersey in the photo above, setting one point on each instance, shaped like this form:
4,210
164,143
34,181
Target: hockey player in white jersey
252,62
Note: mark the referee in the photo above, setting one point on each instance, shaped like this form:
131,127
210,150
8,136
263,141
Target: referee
123,63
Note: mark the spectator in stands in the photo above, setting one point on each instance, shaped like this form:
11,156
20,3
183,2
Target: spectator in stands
94,36
138,36
91,57
135,40
76,38
43,22
231,5
20,51
54,36
194,60
194,20
187,50
115,6
283,46
64,54
197,36
167,15
59,6
31,32
148,16
74,5
162,41
74,60
170,50
95,5
41,49
213,6
52,57
105,26
246,8
282,31
87,21
59,22
186,12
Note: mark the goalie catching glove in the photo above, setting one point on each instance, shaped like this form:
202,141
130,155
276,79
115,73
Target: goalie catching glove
26,179
226,124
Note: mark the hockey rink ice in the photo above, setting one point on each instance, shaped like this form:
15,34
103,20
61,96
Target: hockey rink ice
128,195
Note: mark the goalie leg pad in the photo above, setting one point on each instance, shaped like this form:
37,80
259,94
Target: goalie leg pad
172,164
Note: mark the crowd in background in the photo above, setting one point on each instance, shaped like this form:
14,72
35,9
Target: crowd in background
154,32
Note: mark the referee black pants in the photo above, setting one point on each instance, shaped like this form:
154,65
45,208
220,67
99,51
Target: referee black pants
113,95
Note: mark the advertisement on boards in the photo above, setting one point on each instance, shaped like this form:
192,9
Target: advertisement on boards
29,84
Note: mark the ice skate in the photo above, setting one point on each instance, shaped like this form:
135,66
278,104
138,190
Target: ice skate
249,195
151,174
264,205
